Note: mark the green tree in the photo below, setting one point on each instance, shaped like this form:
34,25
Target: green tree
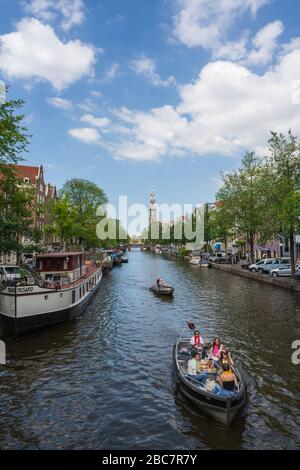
84,197
13,135
243,199
284,171
62,215
16,202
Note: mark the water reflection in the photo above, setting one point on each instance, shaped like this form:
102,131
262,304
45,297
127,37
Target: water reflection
105,381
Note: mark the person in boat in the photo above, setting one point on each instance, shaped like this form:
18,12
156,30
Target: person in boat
225,358
216,349
197,340
193,363
194,368
228,379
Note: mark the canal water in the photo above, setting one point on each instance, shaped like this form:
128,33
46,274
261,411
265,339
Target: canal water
105,380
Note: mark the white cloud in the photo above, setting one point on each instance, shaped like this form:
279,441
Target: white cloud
71,11
147,67
86,135
227,110
112,72
205,23
61,103
34,51
94,121
265,43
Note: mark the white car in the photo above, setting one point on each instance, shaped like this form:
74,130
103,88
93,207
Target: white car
9,273
283,271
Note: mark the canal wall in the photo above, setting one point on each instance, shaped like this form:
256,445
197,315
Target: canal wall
284,283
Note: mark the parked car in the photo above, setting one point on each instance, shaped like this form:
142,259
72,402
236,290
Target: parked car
268,264
218,258
282,271
9,274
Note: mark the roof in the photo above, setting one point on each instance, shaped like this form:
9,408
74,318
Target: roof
60,255
30,172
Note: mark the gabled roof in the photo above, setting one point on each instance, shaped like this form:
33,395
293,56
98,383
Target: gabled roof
30,172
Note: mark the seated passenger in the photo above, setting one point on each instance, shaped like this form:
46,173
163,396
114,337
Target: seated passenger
196,340
159,282
194,367
216,348
193,363
225,358
228,379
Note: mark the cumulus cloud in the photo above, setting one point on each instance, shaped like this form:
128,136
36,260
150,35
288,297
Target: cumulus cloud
265,43
147,67
86,135
94,121
205,23
70,11
34,51
227,110
61,103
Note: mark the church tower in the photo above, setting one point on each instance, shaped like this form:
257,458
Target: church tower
152,211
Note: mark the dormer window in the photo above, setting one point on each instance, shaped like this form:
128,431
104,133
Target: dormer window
26,180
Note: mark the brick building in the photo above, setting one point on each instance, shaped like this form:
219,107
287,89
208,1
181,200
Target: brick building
33,177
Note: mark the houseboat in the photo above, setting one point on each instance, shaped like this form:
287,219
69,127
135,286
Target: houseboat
60,292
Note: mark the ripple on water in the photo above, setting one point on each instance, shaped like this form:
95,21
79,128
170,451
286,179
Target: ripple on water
105,381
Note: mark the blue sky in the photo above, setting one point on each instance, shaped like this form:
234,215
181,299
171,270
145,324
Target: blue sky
143,94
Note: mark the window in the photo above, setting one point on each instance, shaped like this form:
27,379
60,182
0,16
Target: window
73,296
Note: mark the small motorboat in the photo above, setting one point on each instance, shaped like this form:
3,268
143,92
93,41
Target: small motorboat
205,264
220,408
195,260
124,259
163,290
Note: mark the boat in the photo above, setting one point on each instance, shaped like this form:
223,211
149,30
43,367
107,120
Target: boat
164,290
205,264
195,260
63,287
220,408
107,264
124,259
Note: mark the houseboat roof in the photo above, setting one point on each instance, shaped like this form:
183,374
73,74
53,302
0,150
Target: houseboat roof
61,255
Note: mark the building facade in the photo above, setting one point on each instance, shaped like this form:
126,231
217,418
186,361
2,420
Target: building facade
32,177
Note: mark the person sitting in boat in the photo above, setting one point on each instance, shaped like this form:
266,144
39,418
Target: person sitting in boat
216,348
215,351
228,379
196,340
225,358
193,363
194,368
159,282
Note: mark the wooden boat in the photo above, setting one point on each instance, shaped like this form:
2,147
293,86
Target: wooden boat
220,408
165,290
